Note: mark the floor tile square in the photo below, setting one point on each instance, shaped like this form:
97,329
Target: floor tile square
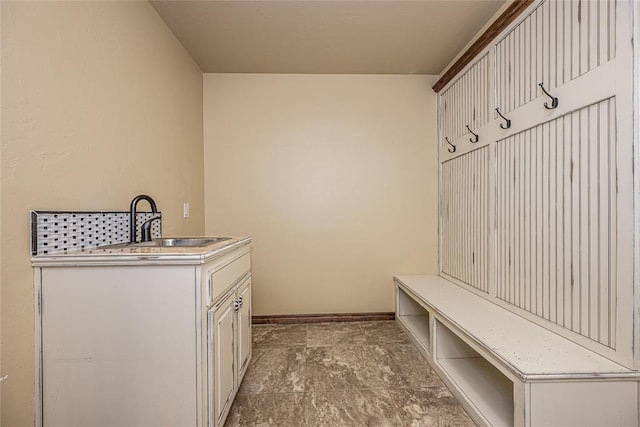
329,334
281,410
429,407
268,336
347,367
350,408
275,370
383,332
413,370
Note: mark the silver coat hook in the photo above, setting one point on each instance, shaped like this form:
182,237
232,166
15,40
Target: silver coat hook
475,138
554,100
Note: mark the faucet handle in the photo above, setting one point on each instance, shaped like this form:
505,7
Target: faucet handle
145,230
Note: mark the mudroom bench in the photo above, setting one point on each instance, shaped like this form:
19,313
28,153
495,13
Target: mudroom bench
507,370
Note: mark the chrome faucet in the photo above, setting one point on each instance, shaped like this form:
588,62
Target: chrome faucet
132,217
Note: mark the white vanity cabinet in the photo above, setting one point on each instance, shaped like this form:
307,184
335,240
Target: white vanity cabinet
142,337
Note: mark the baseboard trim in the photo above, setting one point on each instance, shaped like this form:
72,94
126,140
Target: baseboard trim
320,318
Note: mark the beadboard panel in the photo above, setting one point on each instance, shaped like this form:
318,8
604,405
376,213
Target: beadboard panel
468,99
562,249
556,221
465,218
556,43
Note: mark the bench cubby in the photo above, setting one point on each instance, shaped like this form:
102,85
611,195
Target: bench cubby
483,384
415,318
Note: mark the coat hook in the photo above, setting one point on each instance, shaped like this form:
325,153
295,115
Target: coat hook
554,100
475,138
507,125
448,142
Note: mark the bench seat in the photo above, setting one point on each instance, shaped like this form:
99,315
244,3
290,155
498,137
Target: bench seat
507,370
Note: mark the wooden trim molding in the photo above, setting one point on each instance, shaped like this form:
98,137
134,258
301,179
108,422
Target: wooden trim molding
320,318
507,17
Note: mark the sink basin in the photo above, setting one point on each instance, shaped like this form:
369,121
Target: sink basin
182,242
171,242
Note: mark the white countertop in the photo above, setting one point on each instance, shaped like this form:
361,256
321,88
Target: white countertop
138,255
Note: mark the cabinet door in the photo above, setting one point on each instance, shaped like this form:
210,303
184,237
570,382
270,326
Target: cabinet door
244,328
221,358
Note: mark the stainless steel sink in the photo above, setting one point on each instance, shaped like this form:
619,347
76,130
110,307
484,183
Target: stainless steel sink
182,242
176,242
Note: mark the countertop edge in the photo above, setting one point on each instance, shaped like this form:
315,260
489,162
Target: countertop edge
128,258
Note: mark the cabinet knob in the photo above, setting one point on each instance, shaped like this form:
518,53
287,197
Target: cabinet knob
236,305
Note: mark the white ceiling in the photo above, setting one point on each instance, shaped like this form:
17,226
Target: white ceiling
325,36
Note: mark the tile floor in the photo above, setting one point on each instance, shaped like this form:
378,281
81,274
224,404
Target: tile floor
341,374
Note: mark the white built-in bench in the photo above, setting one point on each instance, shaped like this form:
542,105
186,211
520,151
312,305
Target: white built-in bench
507,370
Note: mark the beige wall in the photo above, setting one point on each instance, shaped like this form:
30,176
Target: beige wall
1,374
335,178
99,103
